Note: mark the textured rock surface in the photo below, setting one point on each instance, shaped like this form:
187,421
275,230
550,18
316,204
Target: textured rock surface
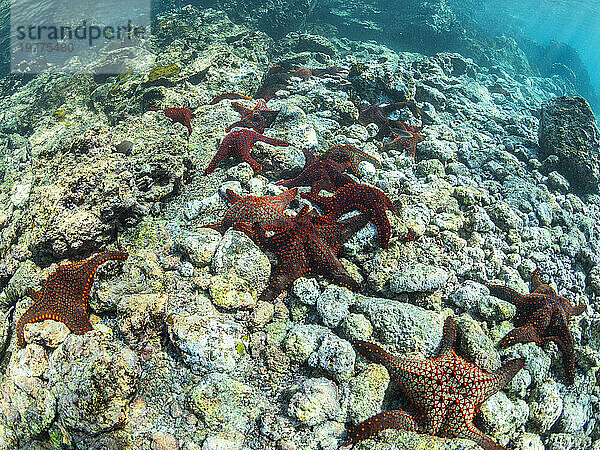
94,379
569,130
182,355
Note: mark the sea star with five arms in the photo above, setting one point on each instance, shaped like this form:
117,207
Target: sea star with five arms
379,116
347,153
64,295
258,118
268,210
447,392
180,115
319,174
307,243
239,142
361,197
542,316
405,140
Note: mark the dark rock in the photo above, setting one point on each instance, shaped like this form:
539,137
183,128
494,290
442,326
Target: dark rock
568,130
275,17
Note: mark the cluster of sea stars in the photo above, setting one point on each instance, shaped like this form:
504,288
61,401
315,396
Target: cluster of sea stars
307,242
446,391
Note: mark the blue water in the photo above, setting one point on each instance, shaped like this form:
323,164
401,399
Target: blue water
575,22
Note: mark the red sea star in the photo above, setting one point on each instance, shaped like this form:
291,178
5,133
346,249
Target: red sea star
379,115
542,316
64,295
308,243
240,142
252,209
405,140
448,392
361,197
180,115
317,174
259,118
349,154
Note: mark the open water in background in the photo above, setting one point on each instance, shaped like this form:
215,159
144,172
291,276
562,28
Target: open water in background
575,22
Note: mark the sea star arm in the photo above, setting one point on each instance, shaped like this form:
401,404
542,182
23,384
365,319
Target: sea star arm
269,140
327,264
521,335
384,230
223,151
536,282
78,322
576,310
486,443
503,375
33,294
390,419
232,196
338,177
448,336
327,204
293,264
240,109
225,223
268,117
559,332
345,229
249,121
246,157
512,296
378,355
306,176
567,348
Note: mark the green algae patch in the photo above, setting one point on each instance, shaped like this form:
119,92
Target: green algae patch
168,71
240,348
276,332
225,404
60,114
232,292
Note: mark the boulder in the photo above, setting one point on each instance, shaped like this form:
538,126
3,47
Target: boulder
568,130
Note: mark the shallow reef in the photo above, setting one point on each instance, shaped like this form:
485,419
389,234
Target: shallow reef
186,351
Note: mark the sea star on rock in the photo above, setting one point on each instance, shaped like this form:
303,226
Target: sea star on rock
347,153
179,115
405,140
447,391
378,115
239,142
542,316
307,243
278,77
319,174
251,209
361,197
258,118
64,295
